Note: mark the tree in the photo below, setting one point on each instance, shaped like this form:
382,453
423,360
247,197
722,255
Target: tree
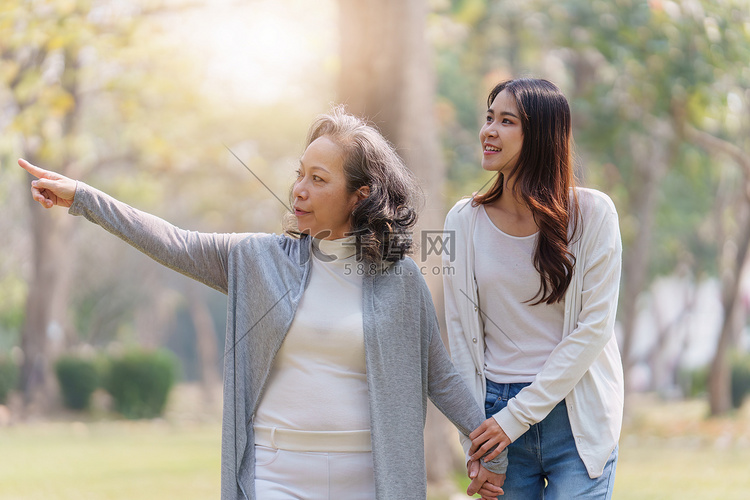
735,267
46,81
677,66
637,74
386,76
83,96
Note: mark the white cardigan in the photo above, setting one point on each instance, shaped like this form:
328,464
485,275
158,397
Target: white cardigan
585,368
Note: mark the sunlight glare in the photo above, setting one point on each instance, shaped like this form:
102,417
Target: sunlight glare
262,50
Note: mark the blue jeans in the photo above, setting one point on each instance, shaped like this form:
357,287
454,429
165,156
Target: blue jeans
543,463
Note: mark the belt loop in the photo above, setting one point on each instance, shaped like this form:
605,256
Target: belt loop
273,437
506,392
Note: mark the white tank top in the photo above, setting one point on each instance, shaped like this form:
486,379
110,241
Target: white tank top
519,337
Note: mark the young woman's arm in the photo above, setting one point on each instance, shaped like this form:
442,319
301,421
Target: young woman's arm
198,255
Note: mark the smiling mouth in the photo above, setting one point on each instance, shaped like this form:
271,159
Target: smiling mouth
490,149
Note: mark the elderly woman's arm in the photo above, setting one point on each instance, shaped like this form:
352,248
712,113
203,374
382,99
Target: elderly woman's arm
452,397
200,256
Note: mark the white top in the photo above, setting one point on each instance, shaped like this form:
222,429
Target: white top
585,368
318,380
518,336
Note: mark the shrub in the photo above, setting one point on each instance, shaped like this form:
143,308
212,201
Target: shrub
78,379
8,377
139,382
740,379
693,382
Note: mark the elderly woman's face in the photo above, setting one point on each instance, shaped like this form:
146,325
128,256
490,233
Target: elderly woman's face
322,204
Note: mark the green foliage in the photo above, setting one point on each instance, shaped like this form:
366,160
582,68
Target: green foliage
140,381
694,382
740,385
8,377
13,290
687,196
78,378
636,74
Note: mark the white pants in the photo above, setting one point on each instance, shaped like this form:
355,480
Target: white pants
313,475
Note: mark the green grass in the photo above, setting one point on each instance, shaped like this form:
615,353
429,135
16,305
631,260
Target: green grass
658,471
672,471
668,451
671,451
110,461
661,471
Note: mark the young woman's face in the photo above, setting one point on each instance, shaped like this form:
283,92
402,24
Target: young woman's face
322,204
501,135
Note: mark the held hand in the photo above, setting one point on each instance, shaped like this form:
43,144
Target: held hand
50,188
486,483
485,437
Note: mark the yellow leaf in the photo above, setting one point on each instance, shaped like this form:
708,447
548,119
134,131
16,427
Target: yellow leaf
471,12
56,42
8,70
59,102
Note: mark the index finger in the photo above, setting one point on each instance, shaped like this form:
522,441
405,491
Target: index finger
33,169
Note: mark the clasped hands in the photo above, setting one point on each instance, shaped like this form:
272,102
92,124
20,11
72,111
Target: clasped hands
484,438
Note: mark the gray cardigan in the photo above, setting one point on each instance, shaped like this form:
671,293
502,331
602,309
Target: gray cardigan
264,276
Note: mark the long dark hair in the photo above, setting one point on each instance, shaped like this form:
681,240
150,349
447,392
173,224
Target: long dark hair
381,222
543,178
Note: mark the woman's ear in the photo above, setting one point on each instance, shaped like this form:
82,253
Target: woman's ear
363,193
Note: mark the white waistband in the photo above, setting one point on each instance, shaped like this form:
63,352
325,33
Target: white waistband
327,441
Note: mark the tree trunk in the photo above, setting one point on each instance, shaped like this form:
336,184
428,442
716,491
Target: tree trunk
719,375
386,76
635,262
205,336
644,201
662,365
45,319
652,159
155,314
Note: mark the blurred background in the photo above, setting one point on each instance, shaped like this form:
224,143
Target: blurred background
144,99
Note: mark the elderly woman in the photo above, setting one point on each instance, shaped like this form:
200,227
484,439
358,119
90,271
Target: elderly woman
332,343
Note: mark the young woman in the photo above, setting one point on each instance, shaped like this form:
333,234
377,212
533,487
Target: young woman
329,359
531,306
